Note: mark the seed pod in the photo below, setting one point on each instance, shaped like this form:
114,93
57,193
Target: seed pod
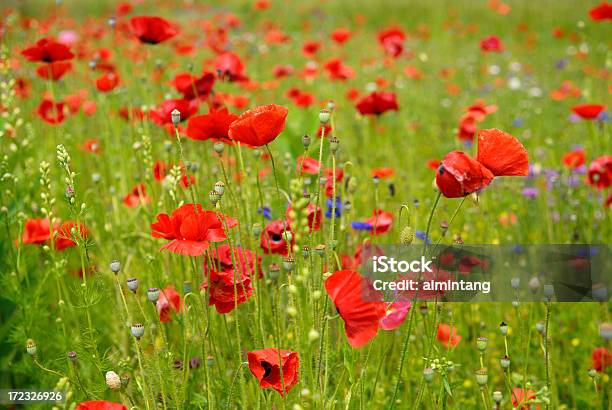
137,330
407,236
497,396
132,284
256,229
423,309
324,116
605,330
320,249
176,117
548,291
482,377
72,356
540,327
153,294
305,251
428,374
515,283
273,271
288,263
112,380
288,236
600,292
504,362
333,145
592,373
534,284
313,335
481,343
503,328
115,266
306,141
213,197
186,287
125,380
220,187
31,347
218,147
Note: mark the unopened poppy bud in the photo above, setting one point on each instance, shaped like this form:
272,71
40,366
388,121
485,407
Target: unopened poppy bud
428,374
210,361
218,147
605,331
305,251
497,396
352,185
503,328
481,343
112,380
256,229
291,311
137,330
153,294
306,141
482,377
31,347
320,249
213,197
407,236
324,116
444,226
288,263
220,187
115,266
504,362
273,271
176,116
132,284
333,144
313,335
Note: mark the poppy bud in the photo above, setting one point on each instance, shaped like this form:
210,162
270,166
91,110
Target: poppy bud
256,229
176,116
218,147
324,116
256,153
352,185
333,144
220,188
273,271
153,294
291,311
482,377
306,141
31,347
115,266
497,396
288,263
132,284
331,105
503,328
137,330
534,284
428,374
444,226
407,236
167,145
481,343
213,197
112,380
504,362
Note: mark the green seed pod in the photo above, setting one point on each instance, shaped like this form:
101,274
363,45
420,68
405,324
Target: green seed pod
137,330
115,266
305,251
31,347
592,373
153,294
306,141
333,145
220,188
428,374
481,343
273,271
503,328
324,116
497,396
320,249
288,263
219,147
482,377
504,362
407,236
214,197
288,236
176,117
256,229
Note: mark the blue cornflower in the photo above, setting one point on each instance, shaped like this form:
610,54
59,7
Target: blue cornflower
266,211
330,207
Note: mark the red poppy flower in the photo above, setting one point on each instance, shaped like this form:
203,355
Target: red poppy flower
337,70
602,358
491,44
226,297
230,67
100,405
314,217
191,86
160,169
36,231
574,159
107,82
377,103
523,398
92,146
308,165
137,196
599,173
340,35
214,125
163,114
499,154
329,183
190,229
152,30
64,234
347,289
384,172
588,111
392,41
310,48
380,221
259,126
54,71
47,50
272,240
220,265
51,112
601,12
446,337
304,100
266,365
133,114
169,300
283,70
